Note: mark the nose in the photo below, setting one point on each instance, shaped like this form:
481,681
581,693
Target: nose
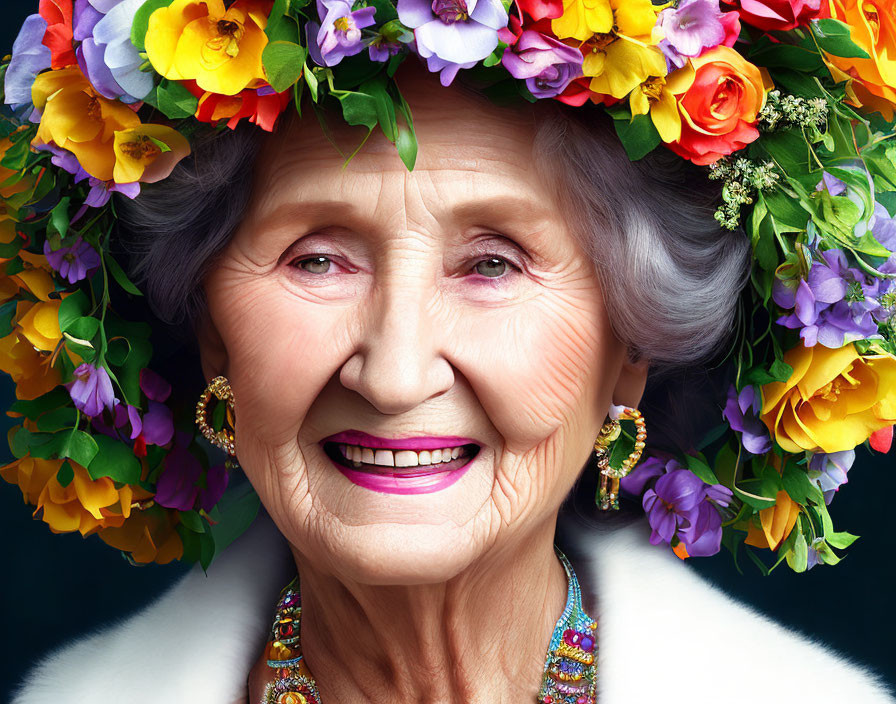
399,361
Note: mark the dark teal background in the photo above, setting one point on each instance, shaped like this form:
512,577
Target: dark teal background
54,587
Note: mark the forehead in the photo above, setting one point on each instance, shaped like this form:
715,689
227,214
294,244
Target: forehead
467,148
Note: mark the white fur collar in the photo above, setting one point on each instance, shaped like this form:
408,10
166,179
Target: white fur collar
664,636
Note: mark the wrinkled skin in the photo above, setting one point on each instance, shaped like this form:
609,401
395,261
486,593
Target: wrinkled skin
407,328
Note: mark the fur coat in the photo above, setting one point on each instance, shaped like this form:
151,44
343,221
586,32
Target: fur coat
658,630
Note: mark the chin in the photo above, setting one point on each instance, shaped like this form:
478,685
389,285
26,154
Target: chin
403,554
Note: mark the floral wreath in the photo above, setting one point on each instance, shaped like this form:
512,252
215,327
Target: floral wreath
788,102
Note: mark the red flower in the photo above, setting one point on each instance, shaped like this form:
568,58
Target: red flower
58,37
541,9
779,14
262,106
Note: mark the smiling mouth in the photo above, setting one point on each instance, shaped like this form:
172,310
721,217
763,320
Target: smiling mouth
400,463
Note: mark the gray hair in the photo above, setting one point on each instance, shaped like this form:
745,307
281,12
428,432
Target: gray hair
670,275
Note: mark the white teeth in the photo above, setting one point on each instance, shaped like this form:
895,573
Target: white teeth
406,458
357,455
385,458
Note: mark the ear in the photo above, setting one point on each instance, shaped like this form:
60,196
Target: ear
631,382
212,352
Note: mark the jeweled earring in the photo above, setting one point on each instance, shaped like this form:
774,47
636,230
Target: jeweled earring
608,492
219,387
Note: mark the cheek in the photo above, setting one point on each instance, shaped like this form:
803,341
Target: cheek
541,370
281,352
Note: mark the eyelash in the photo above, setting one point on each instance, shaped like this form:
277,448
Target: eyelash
485,257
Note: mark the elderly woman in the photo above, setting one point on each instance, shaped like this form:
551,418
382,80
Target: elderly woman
417,366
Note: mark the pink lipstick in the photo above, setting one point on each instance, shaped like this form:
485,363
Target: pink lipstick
419,479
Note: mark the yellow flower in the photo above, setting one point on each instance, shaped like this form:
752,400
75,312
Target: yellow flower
40,324
76,118
777,521
833,401
220,48
621,54
138,156
36,278
582,18
148,536
872,81
657,96
30,370
85,505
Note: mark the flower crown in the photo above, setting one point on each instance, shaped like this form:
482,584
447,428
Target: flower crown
788,102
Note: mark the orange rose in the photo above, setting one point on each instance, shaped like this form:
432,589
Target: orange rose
872,26
720,110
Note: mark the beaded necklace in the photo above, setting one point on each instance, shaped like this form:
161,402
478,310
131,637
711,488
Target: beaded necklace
569,668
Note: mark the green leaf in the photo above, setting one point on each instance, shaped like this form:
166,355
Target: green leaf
120,277
59,219
80,447
175,100
780,370
193,521
117,351
84,328
141,21
833,37
841,539
797,483
47,446
359,109
281,27
65,474
311,80
20,442
753,499
798,557
141,353
57,419
701,469
114,460
72,308
234,513
283,64
36,407
638,134
7,313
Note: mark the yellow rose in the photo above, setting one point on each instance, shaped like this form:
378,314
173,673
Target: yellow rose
872,26
220,48
777,521
833,401
85,505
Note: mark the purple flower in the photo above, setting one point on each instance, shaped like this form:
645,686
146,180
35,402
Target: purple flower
216,479
29,57
547,64
177,484
693,26
453,34
381,49
671,502
73,263
833,467
679,503
836,304
100,191
702,537
742,413
91,390
106,55
339,33
154,386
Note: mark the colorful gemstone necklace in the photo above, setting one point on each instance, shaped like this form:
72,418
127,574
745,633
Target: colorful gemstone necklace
569,669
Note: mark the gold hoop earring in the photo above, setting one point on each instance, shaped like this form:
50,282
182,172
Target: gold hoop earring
608,492
219,387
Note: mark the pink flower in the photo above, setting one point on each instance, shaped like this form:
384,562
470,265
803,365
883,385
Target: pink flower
779,15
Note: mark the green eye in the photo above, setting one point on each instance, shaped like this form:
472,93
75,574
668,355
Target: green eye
493,267
315,265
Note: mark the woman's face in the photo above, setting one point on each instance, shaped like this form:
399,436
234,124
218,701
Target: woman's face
449,301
